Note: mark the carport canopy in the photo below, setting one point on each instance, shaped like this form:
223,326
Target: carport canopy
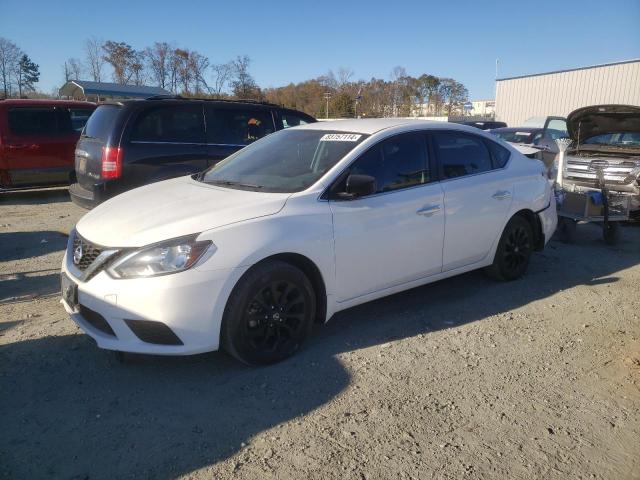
84,89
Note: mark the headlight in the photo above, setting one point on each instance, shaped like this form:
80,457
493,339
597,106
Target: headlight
163,258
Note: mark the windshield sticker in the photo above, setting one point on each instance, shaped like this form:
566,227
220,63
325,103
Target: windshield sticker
523,133
340,137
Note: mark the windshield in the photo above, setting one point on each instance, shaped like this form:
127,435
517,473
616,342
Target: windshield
286,161
515,136
629,138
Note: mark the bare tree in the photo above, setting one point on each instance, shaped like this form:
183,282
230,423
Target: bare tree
243,84
10,55
95,60
158,60
344,77
199,65
222,73
73,69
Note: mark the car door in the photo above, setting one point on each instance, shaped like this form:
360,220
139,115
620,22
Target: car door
35,148
395,235
230,128
477,195
165,140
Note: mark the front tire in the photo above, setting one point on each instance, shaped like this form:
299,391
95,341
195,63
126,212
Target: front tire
269,314
513,252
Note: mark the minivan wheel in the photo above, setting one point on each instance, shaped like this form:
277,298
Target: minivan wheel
269,314
513,252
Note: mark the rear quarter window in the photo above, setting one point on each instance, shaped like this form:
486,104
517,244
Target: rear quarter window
102,122
499,153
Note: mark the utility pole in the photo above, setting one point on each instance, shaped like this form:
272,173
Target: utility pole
327,96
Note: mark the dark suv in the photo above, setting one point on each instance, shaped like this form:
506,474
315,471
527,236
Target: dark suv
132,143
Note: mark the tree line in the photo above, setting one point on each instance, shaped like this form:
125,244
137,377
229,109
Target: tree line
18,73
176,69
189,73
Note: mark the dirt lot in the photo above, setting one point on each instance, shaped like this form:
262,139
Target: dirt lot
465,378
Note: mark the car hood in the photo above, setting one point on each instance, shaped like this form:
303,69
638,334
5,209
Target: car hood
173,208
588,122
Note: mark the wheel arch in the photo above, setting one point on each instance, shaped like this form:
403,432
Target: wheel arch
536,226
312,272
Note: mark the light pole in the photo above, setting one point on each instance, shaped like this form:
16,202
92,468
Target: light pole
327,96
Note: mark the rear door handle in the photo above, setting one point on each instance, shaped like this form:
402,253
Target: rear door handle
502,194
429,211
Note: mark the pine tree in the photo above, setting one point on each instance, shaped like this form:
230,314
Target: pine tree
28,75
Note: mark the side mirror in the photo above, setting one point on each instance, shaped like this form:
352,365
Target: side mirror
358,186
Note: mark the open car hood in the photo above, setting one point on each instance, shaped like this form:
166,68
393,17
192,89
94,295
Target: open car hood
588,122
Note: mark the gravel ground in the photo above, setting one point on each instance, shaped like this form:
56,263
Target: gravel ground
465,378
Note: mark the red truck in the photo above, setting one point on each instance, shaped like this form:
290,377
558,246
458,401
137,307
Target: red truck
38,140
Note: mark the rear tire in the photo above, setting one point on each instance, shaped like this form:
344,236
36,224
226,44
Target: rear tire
514,251
269,314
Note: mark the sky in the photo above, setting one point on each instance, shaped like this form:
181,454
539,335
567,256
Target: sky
292,41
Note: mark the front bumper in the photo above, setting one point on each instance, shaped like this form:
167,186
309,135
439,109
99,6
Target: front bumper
190,304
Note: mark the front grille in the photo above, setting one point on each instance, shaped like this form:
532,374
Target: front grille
89,252
96,320
582,169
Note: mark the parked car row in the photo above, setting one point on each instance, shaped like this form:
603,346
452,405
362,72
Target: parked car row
245,231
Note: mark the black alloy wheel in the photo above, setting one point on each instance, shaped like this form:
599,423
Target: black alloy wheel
269,314
274,317
514,251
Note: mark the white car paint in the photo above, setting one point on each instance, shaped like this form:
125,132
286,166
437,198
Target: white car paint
364,249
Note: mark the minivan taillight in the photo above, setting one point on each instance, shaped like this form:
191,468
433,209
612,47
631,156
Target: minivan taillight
111,162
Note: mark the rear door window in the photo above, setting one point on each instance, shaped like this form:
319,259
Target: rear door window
169,124
461,154
233,126
33,121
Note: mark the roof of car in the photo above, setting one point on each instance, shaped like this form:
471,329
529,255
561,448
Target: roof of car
369,126
36,102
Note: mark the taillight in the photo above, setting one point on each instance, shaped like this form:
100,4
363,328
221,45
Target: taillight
111,162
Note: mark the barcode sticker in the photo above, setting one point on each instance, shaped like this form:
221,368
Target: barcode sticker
340,137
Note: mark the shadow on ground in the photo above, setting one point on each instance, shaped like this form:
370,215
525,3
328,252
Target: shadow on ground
19,245
71,412
35,197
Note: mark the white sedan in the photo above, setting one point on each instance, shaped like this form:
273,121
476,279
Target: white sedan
296,227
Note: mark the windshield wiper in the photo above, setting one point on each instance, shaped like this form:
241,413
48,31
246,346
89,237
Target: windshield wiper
230,183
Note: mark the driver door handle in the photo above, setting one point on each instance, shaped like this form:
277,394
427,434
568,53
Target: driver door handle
429,210
502,194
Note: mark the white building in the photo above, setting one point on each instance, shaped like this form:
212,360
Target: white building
560,92
482,108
